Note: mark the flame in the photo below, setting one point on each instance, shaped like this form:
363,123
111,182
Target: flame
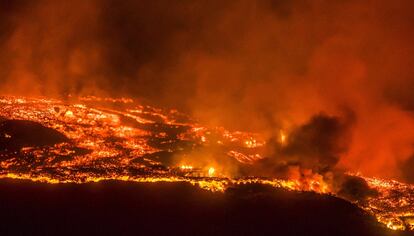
211,171
104,147
186,167
282,137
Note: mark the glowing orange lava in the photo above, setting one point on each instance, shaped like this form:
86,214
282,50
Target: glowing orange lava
116,139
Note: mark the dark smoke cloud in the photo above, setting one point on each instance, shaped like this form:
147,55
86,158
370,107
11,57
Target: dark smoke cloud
315,146
355,189
318,144
269,65
407,168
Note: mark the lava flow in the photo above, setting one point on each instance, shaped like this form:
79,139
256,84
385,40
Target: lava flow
98,139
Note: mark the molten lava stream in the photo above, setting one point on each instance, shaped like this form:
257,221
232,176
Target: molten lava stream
92,141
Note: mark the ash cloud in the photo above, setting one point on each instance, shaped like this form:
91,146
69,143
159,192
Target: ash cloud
318,144
355,189
407,168
314,147
251,65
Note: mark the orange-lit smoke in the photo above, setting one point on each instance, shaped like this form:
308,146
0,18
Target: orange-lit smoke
52,48
253,65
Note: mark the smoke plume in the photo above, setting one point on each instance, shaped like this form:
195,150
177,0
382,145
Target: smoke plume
264,66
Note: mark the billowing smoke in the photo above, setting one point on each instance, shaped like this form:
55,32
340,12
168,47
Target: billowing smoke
318,144
265,65
355,189
315,146
407,170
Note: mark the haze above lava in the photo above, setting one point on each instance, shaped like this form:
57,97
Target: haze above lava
118,139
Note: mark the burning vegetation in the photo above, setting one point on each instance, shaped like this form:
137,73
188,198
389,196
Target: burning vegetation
98,139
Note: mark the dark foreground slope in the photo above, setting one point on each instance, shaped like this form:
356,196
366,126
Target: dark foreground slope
123,208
